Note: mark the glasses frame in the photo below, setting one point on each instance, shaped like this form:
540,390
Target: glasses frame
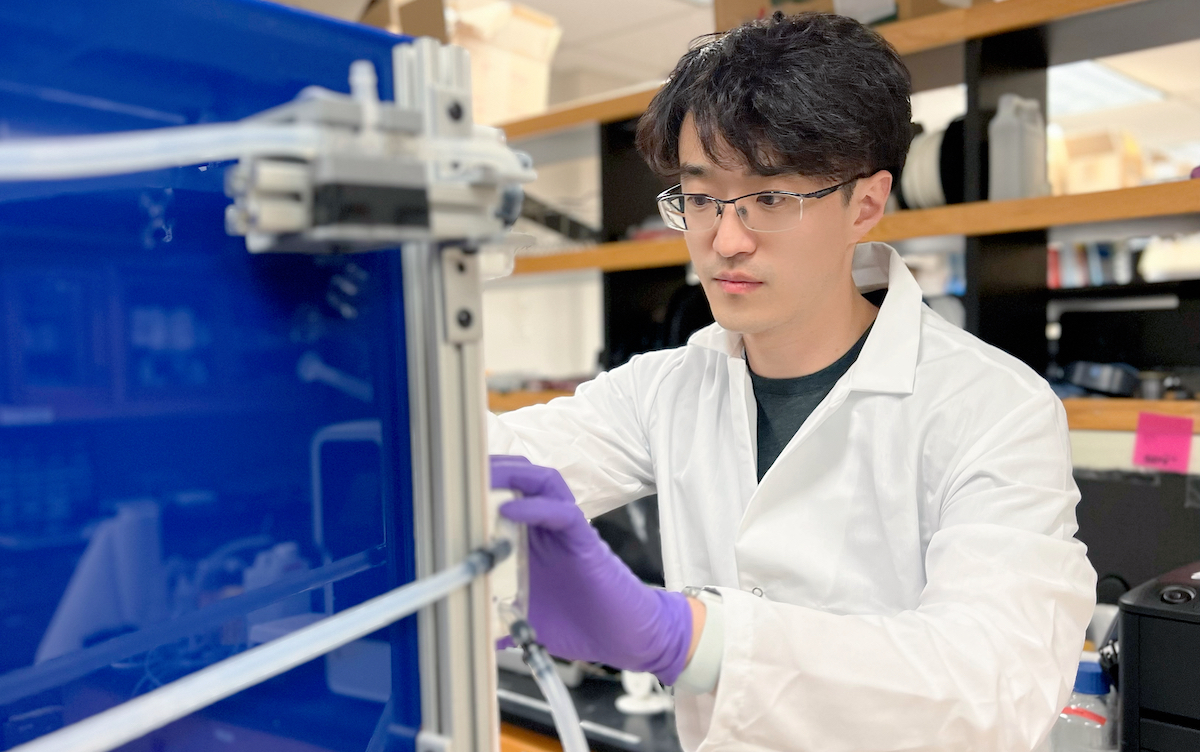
674,192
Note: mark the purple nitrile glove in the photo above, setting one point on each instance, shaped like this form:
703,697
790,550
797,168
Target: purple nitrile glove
584,603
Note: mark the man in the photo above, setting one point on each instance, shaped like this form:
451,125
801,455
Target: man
878,507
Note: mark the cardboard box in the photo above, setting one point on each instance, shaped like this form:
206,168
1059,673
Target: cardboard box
511,49
1095,161
731,13
418,18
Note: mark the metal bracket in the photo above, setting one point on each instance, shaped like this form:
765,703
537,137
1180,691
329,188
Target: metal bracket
463,308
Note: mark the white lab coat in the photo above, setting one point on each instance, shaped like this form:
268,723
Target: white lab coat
904,577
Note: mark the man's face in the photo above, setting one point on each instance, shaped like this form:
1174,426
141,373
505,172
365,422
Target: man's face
760,282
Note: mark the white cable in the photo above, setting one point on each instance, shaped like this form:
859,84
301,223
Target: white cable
66,157
138,717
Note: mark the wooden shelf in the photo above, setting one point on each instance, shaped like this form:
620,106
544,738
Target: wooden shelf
607,108
1100,414
916,35
502,402
984,19
609,257
996,217
1122,414
979,218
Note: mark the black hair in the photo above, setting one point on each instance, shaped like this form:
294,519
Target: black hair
813,94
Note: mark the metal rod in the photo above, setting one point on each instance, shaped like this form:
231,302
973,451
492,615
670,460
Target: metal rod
138,717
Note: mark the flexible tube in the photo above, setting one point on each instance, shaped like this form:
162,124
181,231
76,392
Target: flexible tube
138,717
566,720
68,157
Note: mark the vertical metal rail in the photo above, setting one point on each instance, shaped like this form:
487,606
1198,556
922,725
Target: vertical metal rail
443,310
446,392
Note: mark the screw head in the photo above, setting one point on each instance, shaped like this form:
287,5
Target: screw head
464,318
455,111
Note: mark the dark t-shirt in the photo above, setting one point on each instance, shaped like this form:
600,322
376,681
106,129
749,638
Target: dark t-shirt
784,404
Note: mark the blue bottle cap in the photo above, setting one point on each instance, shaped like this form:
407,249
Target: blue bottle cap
1091,679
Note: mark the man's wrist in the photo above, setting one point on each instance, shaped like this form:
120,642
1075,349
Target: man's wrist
703,667
698,615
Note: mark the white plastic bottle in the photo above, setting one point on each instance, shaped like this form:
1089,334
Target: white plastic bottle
1017,150
1082,725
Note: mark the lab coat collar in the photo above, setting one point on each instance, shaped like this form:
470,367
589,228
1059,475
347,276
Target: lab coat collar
888,361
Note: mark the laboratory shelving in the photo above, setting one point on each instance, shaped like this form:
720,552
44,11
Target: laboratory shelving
1083,414
502,402
1113,414
975,219
951,26
993,48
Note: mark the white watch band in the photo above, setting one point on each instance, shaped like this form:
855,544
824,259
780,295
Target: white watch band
704,669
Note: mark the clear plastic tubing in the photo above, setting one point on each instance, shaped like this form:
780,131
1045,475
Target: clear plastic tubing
138,717
566,720
71,157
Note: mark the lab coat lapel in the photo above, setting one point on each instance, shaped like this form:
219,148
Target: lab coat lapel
744,414
887,363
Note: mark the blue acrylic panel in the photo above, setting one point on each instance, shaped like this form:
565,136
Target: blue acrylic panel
200,449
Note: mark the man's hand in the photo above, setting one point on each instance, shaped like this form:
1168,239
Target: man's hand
584,602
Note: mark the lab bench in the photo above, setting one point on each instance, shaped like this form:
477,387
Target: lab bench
606,728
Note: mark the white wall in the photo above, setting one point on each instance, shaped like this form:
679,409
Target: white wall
546,325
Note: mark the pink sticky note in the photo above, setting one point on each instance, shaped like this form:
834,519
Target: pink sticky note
1164,442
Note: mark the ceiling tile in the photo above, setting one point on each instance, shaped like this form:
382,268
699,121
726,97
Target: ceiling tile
601,62
583,22
1155,125
651,50
1172,68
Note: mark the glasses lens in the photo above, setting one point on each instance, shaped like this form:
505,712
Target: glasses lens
700,212
770,212
671,209
691,212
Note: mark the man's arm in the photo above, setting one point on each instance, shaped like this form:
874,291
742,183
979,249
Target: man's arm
596,439
983,663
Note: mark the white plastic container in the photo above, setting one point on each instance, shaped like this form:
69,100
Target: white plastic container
274,564
1083,724
1017,150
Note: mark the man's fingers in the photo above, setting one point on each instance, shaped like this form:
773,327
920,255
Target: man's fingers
530,480
543,513
546,500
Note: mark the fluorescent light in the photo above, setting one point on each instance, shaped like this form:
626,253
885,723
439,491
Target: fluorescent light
1089,86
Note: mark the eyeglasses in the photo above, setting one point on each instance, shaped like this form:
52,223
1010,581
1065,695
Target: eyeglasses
764,211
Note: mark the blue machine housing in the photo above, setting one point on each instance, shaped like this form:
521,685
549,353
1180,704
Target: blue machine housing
161,388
